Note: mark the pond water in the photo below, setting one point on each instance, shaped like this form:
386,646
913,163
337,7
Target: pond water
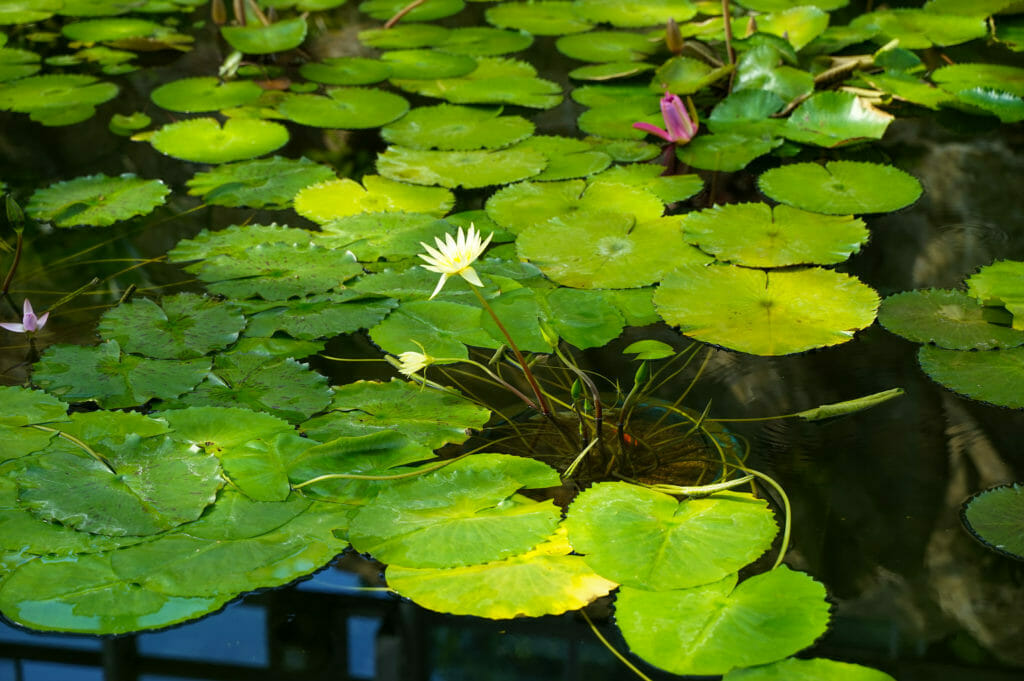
876,496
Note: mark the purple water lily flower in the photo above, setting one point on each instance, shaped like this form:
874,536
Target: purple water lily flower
29,322
680,123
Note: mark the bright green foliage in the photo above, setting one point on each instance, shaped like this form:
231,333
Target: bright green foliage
414,523
831,119
606,46
56,99
27,11
762,68
438,327
949,319
649,349
566,157
1006,107
23,406
484,41
635,13
776,5
685,75
668,188
918,30
404,36
747,112
549,17
798,25
841,187
814,669
103,375
908,88
725,152
258,39
993,376
265,183
346,71
456,128
996,517
616,122
427,64
765,313
125,125
428,11
1001,284
96,200
121,29
203,140
496,80
329,201
468,169
182,326
714,628
348,108
235,239
756,235
15,63
371,236
205,94
610,70
645,539
318,316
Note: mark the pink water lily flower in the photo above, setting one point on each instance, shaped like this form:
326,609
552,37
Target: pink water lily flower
29,322
680,121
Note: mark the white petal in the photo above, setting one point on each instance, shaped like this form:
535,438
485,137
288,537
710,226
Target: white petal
16,328
470,275
440,285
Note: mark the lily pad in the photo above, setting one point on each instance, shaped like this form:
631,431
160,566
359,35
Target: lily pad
110,30
610,71
427,64
456,128
725,152
56,99
320,316
103,375
918,29
756,235
205,94
544,581
203,140
992,376
566,157
469,169
346,71
484,41
590,249
841,187
428,11
616,121
548,17
347,108
23,407
496,80
371,236
1001,284
27,11
765,313
815,669
417,523
832,119
404,36
712,629
1007,107
668,188
235,239
182,326
635,13
336,199
909,89
438,328
279,36
646,539
949,319
762,68
126,125
264,183
606,46
687,76
15,63
996,518
97,200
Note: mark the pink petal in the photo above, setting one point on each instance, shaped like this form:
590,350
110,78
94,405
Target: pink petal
654,130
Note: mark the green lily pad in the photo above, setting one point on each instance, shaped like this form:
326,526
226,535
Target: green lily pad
346,71
765,313
416,523
347,108
56,99
428,11
992,376
371,236
815,669
996,518
606,46
205,94
725,152
761,68
496,80
610,71
635,13
103,375
567,157
436,327
235,239
832,119
404,36
778,5
15,63
484,41
686,76
668,188
23,407
96,200
427,64
336,199
320,316
649,349
956,77
756,235
746,111
544,581
469,169
646,539
279,36
108,30
527,204
616,121
907,88
797,25
549,17
456,128
612,94
841,187
1001,284
203,140
276,271
264,183
1008,108
711,629
27,11
590,249
918,29
126,125
182,326
949,319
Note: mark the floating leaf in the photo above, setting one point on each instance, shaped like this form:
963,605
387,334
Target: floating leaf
203,140
329,201
949,319
180,327
320,316
610,70
484,41
528,204
235,239
469,169
56,99
97,200
1001,284
815,669
831,119
725,152
746,112
686,76
908,88
16,63
841,187
103,375
264,183
126,125
346,71
566,157
437,327
549,17
996,518
27,11
428,11
649,349
544,581
992,376
765,313
427,64
760,68
456,128
1007,107
712,629
417,523
279,36
205,94
756,235
404,36
606,46
778,5
496,80
635,13
371,236
23,407
108,30
668,188
347,108
646,539
918,30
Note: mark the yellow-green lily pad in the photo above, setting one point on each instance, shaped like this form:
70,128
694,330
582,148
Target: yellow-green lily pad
635,13
841,187
548,17
279,36
496,80
1001,284
949,319
205,94
336,199
469,169
263,183
97,200
456,128
346,108
203,140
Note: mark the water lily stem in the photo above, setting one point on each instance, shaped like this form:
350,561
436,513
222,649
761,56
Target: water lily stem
399,476
14,265
402,12
86,448
729,49
611,648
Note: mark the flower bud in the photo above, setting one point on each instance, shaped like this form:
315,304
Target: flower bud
673,37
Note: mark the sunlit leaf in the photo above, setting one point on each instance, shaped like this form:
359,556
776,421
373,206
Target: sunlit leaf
319,316
27,11
427,64
996,518
685,75
23,406
831,119
452,127
205,94
279,36
484,41
1001,284
346,71
436,327
761,68
725,152
992,376
549,17
97,200
949,319
53,99
15,63
815,669
404,36
1008,108
428,11
329,201
606,46
668,188
918,30
566,157
348,108
841,187
496,80
235,239
203,140
635,13
264,183
468,169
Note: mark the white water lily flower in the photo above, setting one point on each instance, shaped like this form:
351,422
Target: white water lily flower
455,256
410,362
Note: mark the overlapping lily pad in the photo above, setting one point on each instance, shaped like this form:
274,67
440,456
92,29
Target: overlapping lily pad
495,80
668,188
456,128
56,99
404,36
264,183
279,36
725,152
346,71
468,169
549,17
348,108
182,326
996,518
831,119
15,63
235,239
336,199
567,157
949,319
428,11
992,376
1001,284
815,669
371,236
918,29
841,187
97,200
319,316
203,140
606,46
27,11
427,64
205,94
437,327
765,313
635,13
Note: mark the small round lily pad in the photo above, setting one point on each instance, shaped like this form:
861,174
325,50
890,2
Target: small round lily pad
203,140
456,128
452,169
97,200
949,319
346,71
182,326
996,518
107,30
345,108
607,46
205,94
992,376
56,99
841,187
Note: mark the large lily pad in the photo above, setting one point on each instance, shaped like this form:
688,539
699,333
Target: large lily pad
549,17
264,183
27,11
841,187
566,157
468,169
23,407
15,63
918,29
635,13
437,327
179,327
319,316
725,152
203,140
346,71
336,199
427,64
996,518
205,94
484,41
279,36
97,200
235,239
495,80
428,11
371,236
832,119
993,376
765,313
606,46
668,188
646,539
949,319
815,669
456,128
348,108
56,99
1001,284
958,77
756,235
712,629
404,36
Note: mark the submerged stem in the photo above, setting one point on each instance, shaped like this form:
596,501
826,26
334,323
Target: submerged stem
14,265
632,667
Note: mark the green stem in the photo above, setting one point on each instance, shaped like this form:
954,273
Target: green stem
611,649
353,476
14,265
86,448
